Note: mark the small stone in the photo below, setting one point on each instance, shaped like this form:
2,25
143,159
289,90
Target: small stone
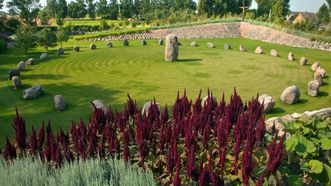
227,46
210,45
267,101
126,42
296,115
290,56
290,95
59,103
21,66
13,72
30,61
99,105
242,48
194,44
60,51
44,56
17,82
33,92
303,61
313,88
109,45
160,42
77,48
143,42
274,53
318,77
315,66
321,71
93,46
258,50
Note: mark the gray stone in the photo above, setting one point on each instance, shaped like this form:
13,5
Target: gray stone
77,48
143,42
30,61
258,50
290,95
100,105
13,72
287,118
148,105
60,51
227,46
274,53
303,61
290,56
126,42
318,77
313,88
321,71
160,42
194,44
274,125
296,115
210,45
315,66
93,46
267,101
33,92
17,82
21,66
242,48
171,49
109,45
44,56
59,103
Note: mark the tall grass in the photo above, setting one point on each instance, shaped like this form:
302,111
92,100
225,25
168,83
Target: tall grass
29,171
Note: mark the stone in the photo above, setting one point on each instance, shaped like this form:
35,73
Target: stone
99,105
272,123
44,56
17,82
290,95
274,53
21,66
148,105
126,42
321,71
287,118
109,45
60,51
171,48
313,88
210,45
194,44
318,78
30,61
77,48
227,46
13,72
33,92
93,46
59,102
296,115
267,101
242,48
160,42
315,66
258,50
303,61
143,42
206,98
290,56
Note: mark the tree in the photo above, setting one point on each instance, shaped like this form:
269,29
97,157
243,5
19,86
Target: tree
62,36
81,8
102,9
323,15
126,7
51,8
44,17
26,9
264,6
113,10
62,12
91,9
206,6
26,38
73,9
47,38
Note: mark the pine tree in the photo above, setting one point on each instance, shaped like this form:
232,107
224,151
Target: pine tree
91,8
323,15
113,10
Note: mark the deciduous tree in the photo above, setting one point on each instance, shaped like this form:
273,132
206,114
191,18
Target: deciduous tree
26,38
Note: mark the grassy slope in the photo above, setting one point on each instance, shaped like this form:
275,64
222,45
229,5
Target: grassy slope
109,74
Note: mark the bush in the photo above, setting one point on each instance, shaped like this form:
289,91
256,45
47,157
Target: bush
3,45
104,25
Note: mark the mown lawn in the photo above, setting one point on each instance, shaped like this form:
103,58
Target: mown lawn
110,73
86,22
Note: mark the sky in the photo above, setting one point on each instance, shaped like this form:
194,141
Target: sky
295,5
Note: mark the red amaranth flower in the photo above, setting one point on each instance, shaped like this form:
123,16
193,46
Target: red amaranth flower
41,136
20,132
33,144
9,151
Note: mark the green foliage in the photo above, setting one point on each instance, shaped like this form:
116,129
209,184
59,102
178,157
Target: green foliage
12,24
47,38
44,17
323,15
3,45
26,38
91,9
26,9
90,172
104,25
62,36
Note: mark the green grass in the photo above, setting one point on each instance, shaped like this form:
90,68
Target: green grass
86,22
109,74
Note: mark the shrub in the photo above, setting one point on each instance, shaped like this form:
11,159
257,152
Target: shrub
3,45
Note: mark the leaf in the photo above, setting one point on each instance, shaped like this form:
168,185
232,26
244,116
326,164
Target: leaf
326,144
304,146
291,143
327,171
294,180
321,125
272,180
316,166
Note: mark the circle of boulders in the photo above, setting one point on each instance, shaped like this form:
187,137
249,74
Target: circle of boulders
147,107
99,105
21,66
93,46
143,42
194,44
33,92
77,48
44,56
30,61
313,88
290,95
17,82
303,61
267,101
171,48
126,42
242,48
210,45
290,56
315,66
274,53
258,50
60,51
59,102
160,42
227,46
13,72
109,45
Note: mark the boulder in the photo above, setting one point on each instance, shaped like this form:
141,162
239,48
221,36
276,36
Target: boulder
242,48
171,48
143,42
60,51
258,50
17,82
274,125
313,88
21,66
267,101
303,61
99,105
160,42
290,56
77,48
33,92
274,53
59,103
148,105
126,42
227,46
194,44
109,45
318,77
13,72
204,101
290,95
93,46
30,61
321,71
44,56
210,45
315,66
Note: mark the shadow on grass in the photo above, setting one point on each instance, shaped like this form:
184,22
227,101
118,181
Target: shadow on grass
277,110
323,94
43,76
302,101
189,60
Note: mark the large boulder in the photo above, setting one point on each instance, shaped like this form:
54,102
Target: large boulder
258,50
93,46
274,53
290,56
194,44
33,92
109,45
210,45
318,77
267,101
17,82
13,72
59,103
290,95
143,42
242,48
60,51
313,88
315,66
44,56
30,61
21,66
99,105
160,42
303,61
147,107
321,71
227,46
77,48
126,42
171,48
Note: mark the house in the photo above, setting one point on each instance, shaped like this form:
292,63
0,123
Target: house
303,17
